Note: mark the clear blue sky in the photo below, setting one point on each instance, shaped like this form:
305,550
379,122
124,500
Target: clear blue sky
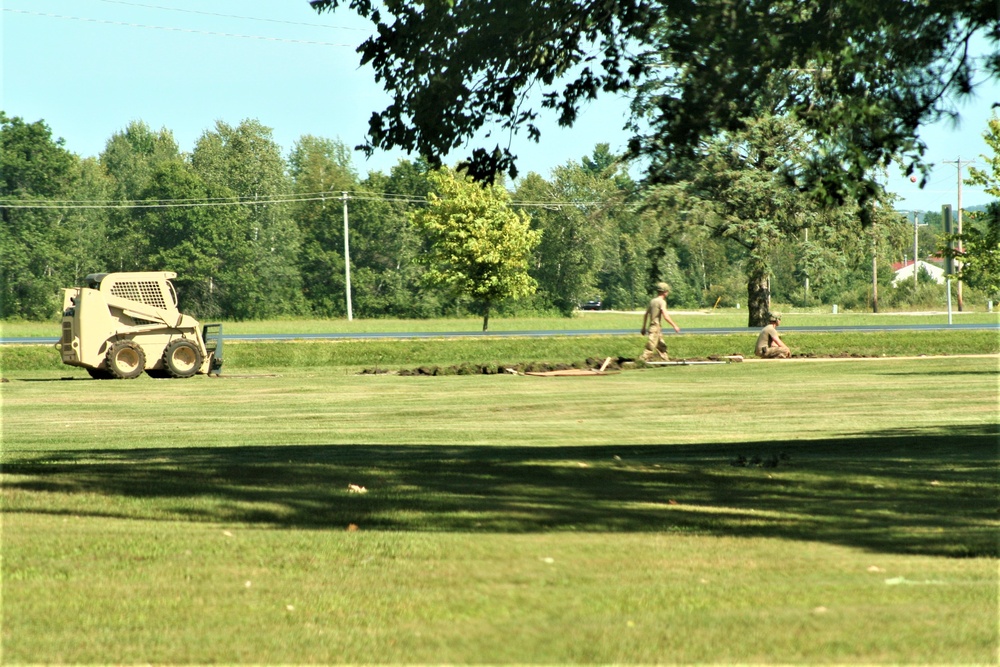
89,67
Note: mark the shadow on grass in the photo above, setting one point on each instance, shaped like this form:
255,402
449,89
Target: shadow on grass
921,492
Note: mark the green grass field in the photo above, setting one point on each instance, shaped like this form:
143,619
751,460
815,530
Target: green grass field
582,320
811,511
349,356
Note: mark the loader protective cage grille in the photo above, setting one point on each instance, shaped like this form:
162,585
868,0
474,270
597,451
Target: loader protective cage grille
146,292
67,337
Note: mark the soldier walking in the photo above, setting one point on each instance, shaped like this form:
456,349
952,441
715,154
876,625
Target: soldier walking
652,325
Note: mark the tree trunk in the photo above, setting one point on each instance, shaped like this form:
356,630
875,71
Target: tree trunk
486,316
875,278
758,296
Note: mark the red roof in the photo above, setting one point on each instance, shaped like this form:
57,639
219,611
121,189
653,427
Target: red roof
935,261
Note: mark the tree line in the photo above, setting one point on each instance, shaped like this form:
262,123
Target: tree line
254,233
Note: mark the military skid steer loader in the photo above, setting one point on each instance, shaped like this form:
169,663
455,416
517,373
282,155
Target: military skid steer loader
120,324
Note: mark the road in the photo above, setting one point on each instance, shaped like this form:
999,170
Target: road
585,332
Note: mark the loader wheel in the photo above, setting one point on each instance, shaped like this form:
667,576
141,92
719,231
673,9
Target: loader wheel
182,358
125,360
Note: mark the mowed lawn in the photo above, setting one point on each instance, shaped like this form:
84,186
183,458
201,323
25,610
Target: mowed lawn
798,512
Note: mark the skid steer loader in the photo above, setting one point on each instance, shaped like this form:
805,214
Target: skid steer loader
120,324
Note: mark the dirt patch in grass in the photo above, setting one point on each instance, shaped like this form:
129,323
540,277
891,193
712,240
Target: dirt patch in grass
612,364
591,363
615,363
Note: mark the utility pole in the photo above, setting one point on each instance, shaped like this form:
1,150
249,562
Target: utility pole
347,261
874,270
958,266
916,221
949,262
874,278
806,230
958,293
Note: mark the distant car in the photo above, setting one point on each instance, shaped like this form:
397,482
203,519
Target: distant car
591,305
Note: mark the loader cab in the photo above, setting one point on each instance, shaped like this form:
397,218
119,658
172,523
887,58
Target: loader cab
93,280
173,293
151,288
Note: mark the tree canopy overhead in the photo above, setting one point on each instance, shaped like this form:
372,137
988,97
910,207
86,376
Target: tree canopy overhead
868,73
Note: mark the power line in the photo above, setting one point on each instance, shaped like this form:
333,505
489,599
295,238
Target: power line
254,199
193,202
233,16
555,204
194,31
156,204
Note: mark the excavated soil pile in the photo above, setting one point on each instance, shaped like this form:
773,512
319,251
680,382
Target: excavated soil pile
593,363
615,364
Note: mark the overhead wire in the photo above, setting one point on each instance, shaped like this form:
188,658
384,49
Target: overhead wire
183,30
223,201
332,196
231,16
151,204
70,204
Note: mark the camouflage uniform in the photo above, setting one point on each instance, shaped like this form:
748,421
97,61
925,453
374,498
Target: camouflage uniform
655,347
765,350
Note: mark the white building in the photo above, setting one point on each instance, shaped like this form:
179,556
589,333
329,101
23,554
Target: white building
904,271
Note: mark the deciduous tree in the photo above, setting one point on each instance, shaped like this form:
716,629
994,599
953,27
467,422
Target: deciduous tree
571,210
204,245
475,243
980,254
876,72
388,274
321,170
130,158
246,161
36,260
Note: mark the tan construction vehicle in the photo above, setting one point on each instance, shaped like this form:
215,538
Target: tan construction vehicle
120,324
